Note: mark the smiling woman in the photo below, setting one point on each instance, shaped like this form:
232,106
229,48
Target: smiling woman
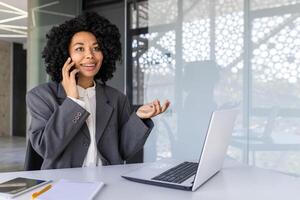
85,59
86,55
77,120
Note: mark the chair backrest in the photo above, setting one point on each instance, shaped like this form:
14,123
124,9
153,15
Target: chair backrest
271,122
33,161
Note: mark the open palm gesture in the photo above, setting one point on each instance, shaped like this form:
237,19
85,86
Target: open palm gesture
152,109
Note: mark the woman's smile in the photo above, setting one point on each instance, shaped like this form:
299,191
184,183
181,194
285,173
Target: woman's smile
88,66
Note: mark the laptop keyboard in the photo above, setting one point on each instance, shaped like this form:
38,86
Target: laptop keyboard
179,173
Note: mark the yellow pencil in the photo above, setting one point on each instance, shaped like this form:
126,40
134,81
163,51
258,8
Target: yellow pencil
38,193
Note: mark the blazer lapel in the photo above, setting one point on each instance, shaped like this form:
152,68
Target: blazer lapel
61,94
103,111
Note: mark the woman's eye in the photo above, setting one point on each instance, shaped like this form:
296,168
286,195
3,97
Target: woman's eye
79,49
97,49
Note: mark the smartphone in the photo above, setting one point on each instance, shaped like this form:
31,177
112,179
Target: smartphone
19,185
76,75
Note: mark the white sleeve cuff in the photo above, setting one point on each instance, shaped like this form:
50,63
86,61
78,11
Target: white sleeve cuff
81,103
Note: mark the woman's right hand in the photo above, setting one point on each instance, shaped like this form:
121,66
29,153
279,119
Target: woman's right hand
68,79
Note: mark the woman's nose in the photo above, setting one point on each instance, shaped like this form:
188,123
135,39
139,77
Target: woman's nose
89,54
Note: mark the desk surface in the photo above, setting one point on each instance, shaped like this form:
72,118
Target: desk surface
234,181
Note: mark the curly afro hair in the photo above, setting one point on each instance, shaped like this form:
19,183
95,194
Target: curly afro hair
55,52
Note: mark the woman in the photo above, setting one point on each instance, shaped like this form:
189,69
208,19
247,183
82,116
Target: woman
76,121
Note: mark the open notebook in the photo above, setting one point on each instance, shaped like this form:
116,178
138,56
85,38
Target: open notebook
75,190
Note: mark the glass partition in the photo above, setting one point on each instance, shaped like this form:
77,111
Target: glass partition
275,66
207,55
178,54
42,15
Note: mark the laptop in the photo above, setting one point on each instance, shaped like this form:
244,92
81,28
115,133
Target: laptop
190,175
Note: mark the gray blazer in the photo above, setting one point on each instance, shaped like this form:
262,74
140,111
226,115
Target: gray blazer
58,131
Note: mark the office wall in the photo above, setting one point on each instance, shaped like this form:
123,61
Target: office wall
5,87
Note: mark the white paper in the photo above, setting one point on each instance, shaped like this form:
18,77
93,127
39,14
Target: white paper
75,190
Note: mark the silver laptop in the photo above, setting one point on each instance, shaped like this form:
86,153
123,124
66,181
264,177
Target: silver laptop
191,175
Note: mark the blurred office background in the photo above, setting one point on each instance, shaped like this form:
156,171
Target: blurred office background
201,55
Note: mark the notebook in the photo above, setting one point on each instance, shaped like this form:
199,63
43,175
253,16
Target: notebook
75,190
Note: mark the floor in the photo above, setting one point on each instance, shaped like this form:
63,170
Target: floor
12,153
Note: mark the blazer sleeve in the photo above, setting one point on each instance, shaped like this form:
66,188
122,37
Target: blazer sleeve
134,131
53,127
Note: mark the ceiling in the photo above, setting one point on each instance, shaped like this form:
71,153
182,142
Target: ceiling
13,20
13,17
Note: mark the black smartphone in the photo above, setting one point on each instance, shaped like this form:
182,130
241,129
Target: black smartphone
76,75
19,185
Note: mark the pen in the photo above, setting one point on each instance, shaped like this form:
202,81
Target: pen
38,193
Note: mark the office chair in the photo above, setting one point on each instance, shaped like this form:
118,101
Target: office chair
33,161
138,157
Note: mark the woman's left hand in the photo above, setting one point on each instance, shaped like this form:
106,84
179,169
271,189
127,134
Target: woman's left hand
152,109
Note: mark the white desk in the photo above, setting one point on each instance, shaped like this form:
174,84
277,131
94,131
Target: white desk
235,181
